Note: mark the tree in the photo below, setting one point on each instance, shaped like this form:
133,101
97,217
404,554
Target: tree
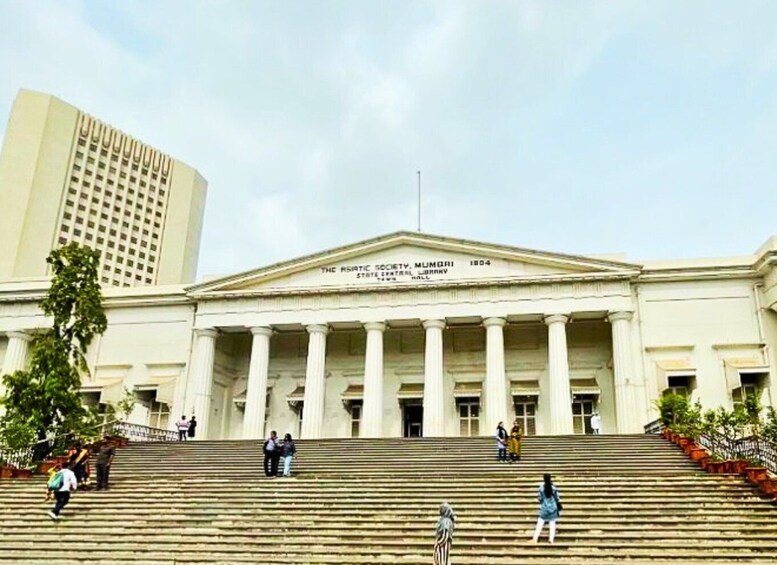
44,400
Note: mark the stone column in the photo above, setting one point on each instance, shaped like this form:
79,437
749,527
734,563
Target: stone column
201,377
256,389
625,406
496,383
372,410
16,352
313,415
559,394
15,356
434,404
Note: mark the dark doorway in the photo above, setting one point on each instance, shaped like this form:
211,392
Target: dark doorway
413,421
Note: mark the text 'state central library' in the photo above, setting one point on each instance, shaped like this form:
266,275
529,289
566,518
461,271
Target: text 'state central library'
407,334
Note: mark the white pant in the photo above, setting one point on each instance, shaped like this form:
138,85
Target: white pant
538,530
287,465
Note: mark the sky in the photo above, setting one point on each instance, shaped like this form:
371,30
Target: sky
645,128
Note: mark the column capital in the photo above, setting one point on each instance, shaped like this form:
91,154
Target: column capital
438,324
206,332
501,322
317,329
19,334
375,326
556,319
620,315
261,330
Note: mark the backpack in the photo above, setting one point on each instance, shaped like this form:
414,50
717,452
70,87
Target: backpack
55,482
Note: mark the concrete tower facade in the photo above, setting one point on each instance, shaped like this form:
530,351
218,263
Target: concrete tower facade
66,176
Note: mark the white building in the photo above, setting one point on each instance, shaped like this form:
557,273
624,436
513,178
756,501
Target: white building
411,334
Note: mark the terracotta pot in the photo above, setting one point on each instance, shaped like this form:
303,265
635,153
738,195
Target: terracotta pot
728,466
62,459
666,433
767,486
45,466
690,447
757,475
6,472
22,473
740,465
698,453
714,466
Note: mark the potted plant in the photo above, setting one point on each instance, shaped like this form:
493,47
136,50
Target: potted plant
6,471
23,473
756,474
45,466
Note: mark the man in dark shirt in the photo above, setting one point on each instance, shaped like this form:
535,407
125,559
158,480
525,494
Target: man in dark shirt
272,454
104,460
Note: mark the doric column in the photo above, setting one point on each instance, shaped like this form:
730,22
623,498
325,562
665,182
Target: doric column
313,415
16,352
496,383
372,410
625,407
434,405
15,356
559,395
201,376
256,389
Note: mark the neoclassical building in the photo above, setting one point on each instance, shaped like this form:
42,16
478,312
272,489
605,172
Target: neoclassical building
411,334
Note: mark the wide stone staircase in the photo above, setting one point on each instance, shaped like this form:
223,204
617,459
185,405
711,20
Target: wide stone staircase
626,498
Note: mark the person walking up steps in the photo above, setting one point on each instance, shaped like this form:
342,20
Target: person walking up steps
550,509
104,460
183,428
445,527
62,483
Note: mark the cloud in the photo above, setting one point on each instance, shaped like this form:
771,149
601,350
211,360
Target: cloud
309,120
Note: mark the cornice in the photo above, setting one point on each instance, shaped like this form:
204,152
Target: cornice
478,283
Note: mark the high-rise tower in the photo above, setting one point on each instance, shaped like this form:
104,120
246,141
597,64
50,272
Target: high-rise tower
65,176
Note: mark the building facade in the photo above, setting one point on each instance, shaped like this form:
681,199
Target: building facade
411,334
65,176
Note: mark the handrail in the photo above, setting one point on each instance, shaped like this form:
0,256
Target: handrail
751,448
24,457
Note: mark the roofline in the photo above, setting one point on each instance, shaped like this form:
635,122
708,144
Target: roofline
410,236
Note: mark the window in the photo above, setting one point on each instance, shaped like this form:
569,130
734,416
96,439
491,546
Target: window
159,415
582,410
469,417
356,418
526,414
752,385
678,384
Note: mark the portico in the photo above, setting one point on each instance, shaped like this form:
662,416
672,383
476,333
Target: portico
411,334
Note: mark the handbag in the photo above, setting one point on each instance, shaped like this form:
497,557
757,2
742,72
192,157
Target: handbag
558,502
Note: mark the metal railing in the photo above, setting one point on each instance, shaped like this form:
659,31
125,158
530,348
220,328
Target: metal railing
655,427
752,448
139,432
26,457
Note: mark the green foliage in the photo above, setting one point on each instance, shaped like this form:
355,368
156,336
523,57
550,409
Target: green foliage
769,429
125,406
44,401
672,408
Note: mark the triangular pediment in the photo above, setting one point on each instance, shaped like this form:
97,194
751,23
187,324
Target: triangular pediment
410,259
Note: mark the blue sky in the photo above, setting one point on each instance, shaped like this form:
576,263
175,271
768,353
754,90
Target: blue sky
648,128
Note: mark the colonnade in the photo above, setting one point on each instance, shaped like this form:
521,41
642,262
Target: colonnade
497,395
